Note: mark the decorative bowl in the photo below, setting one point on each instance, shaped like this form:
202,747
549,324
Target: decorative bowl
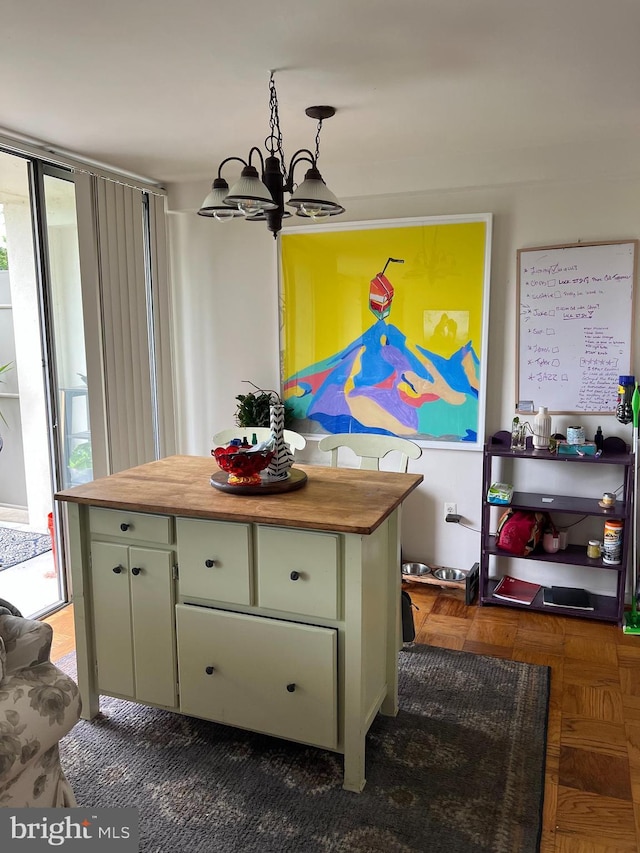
243,467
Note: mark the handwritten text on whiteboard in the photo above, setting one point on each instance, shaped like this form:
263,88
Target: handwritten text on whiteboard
575,306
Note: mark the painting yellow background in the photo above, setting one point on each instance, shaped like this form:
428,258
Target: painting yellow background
326,277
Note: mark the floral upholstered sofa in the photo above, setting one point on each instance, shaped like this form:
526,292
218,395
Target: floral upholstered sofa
39,704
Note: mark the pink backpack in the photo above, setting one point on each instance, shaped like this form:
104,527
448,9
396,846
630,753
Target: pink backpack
520,531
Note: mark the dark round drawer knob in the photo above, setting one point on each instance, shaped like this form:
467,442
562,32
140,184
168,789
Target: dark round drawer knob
291,688
124,527
117,569
210,670
135,570
209,563
294,576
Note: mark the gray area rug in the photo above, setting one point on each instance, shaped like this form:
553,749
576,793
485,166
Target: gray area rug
17,546
459,770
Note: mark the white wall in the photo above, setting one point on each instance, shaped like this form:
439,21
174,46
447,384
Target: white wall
225,295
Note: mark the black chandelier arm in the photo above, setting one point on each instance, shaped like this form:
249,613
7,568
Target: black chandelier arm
298,158
228,160
259,153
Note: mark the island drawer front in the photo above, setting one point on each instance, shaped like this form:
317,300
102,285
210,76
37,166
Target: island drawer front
214,560
131,525
298,571
261,674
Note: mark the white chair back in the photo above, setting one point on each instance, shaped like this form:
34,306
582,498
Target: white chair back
293,439
371,449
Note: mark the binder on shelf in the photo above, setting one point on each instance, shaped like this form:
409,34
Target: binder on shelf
566,596
513,589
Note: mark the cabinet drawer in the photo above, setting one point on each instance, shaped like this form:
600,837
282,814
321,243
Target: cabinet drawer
131,525
214,560
262,674
298,571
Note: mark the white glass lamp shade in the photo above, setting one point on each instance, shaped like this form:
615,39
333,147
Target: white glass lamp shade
262,217
313,198
214,205
309,211
249,194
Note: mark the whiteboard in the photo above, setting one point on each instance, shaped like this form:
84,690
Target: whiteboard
575,329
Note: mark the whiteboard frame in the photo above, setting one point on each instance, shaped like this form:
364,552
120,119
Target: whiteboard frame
578,245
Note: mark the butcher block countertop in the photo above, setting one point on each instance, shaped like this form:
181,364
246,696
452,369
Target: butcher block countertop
345,500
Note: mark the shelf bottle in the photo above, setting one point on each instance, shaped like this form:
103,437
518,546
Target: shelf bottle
541,429
626,386
598,439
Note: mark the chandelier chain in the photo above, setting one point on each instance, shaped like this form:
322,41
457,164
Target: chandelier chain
274,142
318,141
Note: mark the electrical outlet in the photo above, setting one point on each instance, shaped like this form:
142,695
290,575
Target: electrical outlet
450,509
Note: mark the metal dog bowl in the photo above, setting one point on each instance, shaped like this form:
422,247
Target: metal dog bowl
448,574
415,569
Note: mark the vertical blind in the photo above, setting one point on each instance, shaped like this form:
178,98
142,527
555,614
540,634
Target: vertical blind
136,341
161,310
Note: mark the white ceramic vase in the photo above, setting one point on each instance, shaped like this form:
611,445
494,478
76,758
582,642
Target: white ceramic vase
278,468
541,429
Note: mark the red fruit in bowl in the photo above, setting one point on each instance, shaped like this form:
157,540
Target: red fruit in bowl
243,468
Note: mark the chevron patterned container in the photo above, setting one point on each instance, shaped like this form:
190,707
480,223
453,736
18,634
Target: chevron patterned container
282,460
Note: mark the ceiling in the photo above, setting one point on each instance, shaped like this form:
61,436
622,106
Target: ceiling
166,90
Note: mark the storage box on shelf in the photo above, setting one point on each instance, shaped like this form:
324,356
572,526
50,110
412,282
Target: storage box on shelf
615,452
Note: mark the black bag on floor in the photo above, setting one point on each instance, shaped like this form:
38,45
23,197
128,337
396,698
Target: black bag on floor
408,626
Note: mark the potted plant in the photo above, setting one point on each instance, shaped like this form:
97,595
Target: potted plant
253,409
81,463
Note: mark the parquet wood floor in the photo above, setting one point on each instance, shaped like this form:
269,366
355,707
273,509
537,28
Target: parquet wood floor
592,782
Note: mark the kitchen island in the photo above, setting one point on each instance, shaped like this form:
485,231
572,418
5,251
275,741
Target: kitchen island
274,613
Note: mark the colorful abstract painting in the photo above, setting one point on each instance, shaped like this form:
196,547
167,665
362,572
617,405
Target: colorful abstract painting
384,328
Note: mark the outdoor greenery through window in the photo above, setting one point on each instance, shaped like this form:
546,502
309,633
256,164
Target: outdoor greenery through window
4,264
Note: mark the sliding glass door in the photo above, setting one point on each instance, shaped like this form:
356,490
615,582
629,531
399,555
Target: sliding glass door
86,385
43,392
66,330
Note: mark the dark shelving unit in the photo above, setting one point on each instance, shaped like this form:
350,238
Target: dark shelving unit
615,452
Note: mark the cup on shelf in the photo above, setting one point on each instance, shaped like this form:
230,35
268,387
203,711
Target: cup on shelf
575,435
551,542
593,549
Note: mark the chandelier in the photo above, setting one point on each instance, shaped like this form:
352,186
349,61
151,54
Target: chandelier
260,198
